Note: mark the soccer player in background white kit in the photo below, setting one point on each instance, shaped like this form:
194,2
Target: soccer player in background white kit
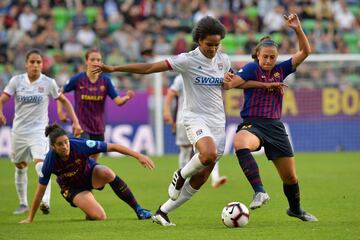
32,91
203,72
185,146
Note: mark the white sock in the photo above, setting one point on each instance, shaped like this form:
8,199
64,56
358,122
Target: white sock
192,167
186,193
215,174
21,181
184,156
46,197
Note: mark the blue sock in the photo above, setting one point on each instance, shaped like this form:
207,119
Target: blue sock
250,169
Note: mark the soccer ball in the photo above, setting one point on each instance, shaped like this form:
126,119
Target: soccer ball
235,214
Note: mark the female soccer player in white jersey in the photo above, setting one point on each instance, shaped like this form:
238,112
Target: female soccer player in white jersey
32,91
203,72
185,154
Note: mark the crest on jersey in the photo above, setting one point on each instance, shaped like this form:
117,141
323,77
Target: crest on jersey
220,66
90,143
41,89
199,132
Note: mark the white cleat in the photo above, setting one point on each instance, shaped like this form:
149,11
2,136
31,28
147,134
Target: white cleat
162,219
21,209
259,199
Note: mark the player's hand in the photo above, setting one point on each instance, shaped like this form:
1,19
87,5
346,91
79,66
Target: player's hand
100,68
26,221
76,128
130,94
228,77
146,161
2,119
292,21
277,87
168,118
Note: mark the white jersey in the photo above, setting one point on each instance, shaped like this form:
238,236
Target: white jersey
203,78
31,102
178,86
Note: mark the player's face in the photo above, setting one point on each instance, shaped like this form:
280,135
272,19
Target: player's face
267,57
62,146
94,57
209,45
33,66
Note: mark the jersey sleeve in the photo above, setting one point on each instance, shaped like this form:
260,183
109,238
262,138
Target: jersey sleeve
54,90
71,84
111,89
46,169
248,72
89,147
227,63
177,85
287,67
10,88
178,63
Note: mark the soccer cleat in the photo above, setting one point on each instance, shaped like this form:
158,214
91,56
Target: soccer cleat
219,182
162,219
259,199
21,209
307,217
143,213
45,208
175,186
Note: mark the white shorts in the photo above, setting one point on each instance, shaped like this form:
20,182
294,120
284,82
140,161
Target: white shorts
198,129
181,136
25,148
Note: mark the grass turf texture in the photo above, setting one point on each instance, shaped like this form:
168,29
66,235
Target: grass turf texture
329,184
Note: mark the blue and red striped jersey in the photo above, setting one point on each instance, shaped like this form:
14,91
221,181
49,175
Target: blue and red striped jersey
72,172
262,102
90,100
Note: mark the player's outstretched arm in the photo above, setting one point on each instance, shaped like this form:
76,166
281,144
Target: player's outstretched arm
35,203
143,160
3,99
70,110
122,100
141,68
60,111
293,22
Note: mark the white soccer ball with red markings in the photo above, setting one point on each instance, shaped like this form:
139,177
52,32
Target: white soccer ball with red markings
235,214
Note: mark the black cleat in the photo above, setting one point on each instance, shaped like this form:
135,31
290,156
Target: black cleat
307,217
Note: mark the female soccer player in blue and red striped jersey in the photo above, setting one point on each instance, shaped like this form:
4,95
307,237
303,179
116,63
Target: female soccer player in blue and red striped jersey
261,115
77,174
91,91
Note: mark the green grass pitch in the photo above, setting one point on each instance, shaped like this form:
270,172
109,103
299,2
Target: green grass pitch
329,184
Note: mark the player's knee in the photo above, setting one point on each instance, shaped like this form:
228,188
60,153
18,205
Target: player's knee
100,216
108,175
290,179
208,157
21,165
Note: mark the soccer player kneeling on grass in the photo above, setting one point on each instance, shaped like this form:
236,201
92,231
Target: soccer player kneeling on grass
77,174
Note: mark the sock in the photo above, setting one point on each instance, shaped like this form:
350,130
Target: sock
184,156
215,174
186,193
250,169
292,193
46,197
21,181
124,193
192,167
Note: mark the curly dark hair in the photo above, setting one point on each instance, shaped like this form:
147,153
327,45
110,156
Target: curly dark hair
208,26
53,132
